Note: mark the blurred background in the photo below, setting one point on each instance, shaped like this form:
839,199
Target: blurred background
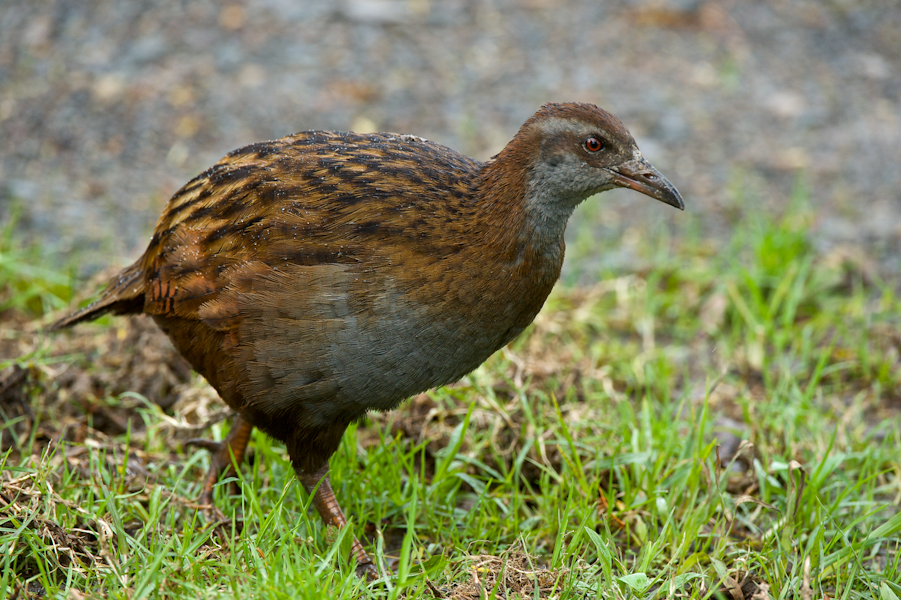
108,106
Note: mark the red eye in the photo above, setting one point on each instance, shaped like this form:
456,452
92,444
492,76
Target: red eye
593,144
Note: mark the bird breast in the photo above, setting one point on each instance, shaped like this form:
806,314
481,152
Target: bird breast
353,279
333,341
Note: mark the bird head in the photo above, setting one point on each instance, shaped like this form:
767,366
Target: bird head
573,151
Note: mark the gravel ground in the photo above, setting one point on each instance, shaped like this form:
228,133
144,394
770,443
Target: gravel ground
108,106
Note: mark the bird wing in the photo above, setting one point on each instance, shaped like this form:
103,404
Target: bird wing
312,200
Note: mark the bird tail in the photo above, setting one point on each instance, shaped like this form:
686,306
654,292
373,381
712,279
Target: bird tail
123,295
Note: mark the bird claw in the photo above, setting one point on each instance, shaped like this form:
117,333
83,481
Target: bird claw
224,455
368,570
209,445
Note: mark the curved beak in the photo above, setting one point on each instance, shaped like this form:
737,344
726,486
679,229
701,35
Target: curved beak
639,175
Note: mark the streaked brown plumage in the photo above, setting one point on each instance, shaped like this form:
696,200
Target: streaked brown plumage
316,277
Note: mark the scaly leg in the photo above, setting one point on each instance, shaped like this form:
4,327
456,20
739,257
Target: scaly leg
235,444
325,502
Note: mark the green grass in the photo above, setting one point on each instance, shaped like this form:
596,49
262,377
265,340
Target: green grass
724,420
26,287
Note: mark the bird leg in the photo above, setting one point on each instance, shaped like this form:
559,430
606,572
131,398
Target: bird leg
234,444
319,486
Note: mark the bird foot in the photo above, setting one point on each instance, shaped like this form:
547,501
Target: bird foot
216,520
319,485
225,456
367,570
220,466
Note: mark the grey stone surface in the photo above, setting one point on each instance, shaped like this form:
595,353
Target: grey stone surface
108,106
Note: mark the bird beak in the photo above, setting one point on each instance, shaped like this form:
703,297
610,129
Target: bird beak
639,175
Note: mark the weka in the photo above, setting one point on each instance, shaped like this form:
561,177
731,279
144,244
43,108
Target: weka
323,275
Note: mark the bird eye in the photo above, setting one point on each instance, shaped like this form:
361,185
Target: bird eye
593,144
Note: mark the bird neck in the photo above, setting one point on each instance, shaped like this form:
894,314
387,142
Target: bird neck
517,223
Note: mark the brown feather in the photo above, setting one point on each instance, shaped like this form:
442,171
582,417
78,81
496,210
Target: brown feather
316,277
123,295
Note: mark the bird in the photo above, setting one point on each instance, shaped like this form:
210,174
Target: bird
318,277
